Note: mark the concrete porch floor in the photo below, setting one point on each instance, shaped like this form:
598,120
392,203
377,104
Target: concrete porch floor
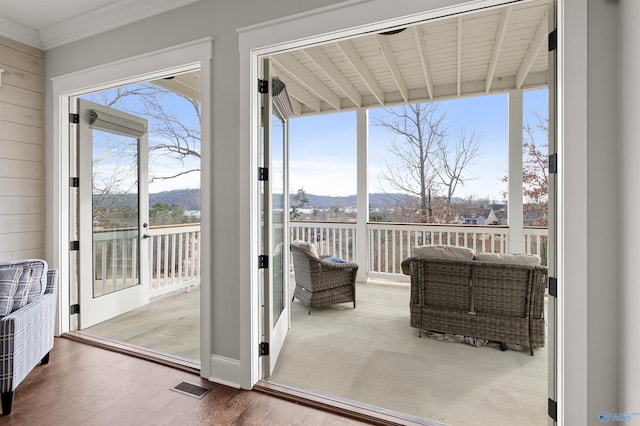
371,355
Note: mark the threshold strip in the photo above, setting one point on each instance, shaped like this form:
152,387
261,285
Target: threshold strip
343,407
178,363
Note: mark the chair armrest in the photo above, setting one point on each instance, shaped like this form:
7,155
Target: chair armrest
338,265
52,282
406,265
26,336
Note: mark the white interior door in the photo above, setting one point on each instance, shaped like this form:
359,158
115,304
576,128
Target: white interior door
113,213
275,225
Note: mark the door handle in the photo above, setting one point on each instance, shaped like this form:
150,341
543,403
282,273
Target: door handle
145,236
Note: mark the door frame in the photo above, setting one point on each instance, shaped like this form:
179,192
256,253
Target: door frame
197,54
323,25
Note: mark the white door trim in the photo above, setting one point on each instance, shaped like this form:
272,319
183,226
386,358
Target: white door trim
344,20
197,54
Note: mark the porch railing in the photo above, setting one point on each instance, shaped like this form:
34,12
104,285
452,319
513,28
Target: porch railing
174,258
390,243
337,239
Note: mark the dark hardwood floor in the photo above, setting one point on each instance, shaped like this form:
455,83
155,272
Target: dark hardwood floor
85,385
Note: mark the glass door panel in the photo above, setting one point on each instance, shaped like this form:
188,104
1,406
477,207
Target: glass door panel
278,215
274,226
115,213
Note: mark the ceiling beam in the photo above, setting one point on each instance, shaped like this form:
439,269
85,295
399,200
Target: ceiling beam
300,94
352,56
310,82
539,39
317,55
297,107
497,47
422,51
387,54
459,51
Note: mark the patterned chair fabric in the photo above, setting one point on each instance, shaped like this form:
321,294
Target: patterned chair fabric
26,334
321,282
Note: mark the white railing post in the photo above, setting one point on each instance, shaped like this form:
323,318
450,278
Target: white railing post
515,215
361,257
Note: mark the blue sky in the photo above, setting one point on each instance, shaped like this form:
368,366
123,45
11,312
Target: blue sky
322,150
161,163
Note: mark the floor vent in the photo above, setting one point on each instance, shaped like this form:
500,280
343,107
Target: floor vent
190,389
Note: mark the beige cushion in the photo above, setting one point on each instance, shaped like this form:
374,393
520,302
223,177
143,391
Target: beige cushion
306,247
512,258
443,252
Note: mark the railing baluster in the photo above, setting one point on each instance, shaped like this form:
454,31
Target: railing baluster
393,252
124,263
103,275
378,251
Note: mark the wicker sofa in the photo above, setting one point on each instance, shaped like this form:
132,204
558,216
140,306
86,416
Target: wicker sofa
494,299
27,321
320,281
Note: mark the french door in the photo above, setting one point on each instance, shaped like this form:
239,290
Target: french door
113,212
274,227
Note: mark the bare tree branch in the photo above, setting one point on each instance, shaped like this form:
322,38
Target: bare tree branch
425,160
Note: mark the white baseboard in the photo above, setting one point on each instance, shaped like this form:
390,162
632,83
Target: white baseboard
225,371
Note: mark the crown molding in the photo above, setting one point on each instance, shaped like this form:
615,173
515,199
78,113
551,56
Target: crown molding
106,18
20,33
111,16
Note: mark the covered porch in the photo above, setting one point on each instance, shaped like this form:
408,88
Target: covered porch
368,357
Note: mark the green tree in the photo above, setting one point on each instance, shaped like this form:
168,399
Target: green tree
301,201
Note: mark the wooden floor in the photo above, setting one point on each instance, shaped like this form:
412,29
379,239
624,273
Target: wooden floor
84,385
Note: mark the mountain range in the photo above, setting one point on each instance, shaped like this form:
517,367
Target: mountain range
189,199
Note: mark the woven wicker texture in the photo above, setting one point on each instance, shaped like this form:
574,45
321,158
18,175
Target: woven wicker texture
320,282
493,301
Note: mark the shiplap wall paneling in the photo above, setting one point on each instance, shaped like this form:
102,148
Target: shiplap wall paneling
21,151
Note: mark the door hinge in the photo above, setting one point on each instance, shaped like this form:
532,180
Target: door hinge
74,309
263,348
263,173
553,40
553,286
74,118
263,261
553,409
74,182
74,245
263,86
553,163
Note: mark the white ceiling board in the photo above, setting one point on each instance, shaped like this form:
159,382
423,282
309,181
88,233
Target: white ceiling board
491,51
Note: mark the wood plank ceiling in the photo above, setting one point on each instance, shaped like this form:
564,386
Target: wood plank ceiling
475,54
480,53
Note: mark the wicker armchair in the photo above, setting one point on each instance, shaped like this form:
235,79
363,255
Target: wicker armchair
320,282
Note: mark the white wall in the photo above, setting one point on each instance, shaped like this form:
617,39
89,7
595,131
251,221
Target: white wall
629,176
602,226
